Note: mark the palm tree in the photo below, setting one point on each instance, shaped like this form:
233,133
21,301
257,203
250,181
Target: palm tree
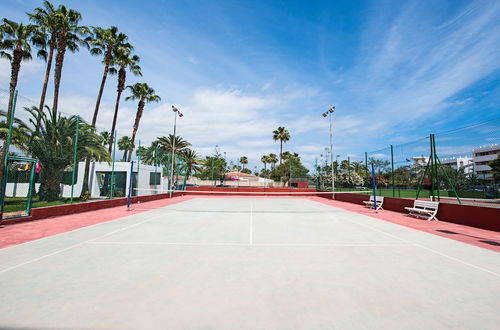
192,161
69,36
53,145
124,144
265,159
145,94
104,136
281,134
124,60
45,20
15,47
105,41
169,143
244,161
273,159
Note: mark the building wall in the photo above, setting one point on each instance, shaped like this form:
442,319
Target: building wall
482,156
463,163
21,189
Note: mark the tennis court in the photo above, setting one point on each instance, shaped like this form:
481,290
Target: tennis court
248,263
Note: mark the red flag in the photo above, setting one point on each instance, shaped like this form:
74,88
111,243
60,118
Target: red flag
38,167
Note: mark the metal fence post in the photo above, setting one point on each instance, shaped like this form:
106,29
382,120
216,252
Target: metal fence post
113,169
130,184
75,148
3,186
392,171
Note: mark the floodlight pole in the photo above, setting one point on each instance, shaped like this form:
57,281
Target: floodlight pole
329,113
176,111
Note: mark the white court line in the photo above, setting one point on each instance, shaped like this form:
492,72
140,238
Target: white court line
427,248
76,245
249,244
251,223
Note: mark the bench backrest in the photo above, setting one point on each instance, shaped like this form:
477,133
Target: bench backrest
426,204
380,199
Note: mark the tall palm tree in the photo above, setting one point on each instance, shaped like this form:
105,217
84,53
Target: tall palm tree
244,161
273,159
192,161
124,144
53,145
70,35
105,42
145,94
123,60
281,134
47,29
15,47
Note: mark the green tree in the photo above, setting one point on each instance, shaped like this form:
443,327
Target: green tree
145,94
243,161
273,159
265,160
192,161
122,61
495,167
53,145
281,134
124,144
15,47
104,136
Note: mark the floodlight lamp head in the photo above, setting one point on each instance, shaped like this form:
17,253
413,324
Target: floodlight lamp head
180,114
174,109
331,110
324,114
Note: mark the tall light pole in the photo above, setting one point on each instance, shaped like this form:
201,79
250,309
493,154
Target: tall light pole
176,112
225,169
329,114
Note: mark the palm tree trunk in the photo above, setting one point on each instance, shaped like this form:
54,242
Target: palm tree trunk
50,186
140,109
103,83
94,119
61,50
14,74
281,151
46,80
121,87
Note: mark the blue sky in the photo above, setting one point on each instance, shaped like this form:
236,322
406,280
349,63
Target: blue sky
395,70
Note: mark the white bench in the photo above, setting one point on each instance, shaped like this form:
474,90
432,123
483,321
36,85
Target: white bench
424,209
380,201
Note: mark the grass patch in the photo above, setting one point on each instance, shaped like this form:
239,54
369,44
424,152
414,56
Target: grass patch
17,204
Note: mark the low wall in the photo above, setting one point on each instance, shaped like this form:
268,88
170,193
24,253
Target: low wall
468,215
251,191
59,210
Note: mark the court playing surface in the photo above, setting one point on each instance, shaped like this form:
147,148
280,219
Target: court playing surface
248,263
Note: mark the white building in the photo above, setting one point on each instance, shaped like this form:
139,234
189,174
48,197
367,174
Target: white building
466,164
482,156
146,181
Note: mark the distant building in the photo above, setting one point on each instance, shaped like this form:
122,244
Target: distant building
482,156
420,161
466,164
